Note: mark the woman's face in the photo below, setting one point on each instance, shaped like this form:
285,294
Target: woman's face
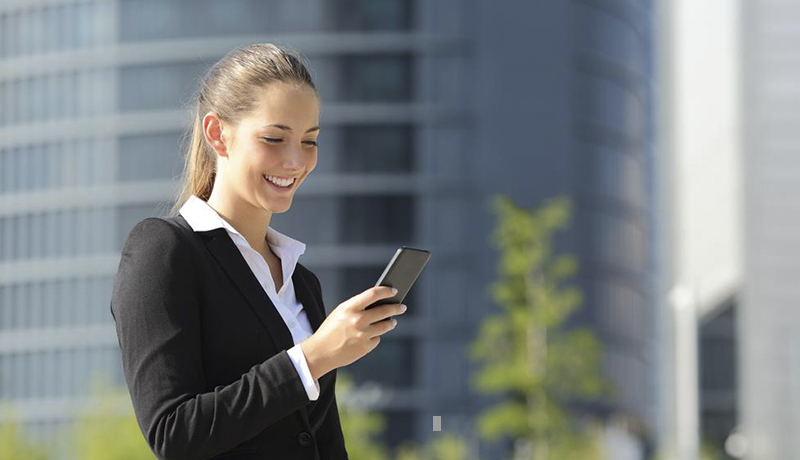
272,146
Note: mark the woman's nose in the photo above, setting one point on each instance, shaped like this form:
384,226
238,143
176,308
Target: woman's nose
294,158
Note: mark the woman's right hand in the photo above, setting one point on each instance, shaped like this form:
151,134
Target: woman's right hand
349,331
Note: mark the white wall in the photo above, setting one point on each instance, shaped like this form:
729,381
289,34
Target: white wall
700,192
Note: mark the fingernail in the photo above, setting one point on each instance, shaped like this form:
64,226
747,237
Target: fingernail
403,307
394,290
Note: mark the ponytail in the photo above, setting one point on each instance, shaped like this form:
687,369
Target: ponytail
199,168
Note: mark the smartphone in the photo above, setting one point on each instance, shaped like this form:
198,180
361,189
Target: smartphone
401,272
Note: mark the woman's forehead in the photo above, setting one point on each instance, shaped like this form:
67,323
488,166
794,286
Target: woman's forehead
289,106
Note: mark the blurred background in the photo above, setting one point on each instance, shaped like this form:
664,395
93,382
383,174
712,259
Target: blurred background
668,127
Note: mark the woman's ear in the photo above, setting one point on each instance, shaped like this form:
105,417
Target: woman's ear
213,131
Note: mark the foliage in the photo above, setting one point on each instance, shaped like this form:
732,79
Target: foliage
14,444
360,427
710,450
448,446
108,430
527,353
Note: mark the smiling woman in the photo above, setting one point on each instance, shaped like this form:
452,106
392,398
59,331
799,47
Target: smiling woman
226,346
253,119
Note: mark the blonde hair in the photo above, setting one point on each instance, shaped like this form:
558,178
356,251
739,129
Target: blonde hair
228,89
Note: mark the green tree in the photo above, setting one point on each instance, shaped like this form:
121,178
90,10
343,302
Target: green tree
448,446
526,353
14,444
108,430
359,425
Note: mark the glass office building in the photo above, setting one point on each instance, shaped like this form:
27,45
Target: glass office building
420,126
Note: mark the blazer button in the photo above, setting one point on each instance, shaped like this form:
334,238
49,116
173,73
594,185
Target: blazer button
304,439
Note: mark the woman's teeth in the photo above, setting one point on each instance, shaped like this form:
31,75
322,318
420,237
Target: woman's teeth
280,182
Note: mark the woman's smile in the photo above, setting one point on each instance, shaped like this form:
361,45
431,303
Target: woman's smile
284,187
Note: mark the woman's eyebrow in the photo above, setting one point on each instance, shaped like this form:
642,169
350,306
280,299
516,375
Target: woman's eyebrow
286,128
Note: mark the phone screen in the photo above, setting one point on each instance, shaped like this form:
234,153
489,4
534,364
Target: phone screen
401,272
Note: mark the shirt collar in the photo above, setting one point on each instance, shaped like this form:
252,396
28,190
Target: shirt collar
202,217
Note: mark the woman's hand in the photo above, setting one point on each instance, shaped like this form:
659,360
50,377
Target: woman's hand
350,332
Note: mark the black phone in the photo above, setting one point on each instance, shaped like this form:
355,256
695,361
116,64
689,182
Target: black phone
401,272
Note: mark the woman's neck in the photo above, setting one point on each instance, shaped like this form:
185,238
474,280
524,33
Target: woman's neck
252,223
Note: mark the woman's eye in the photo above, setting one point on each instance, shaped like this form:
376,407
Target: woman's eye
277,140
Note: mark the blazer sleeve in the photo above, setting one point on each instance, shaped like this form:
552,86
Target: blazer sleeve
155,306
330,435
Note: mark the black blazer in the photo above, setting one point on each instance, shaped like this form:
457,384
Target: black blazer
204,351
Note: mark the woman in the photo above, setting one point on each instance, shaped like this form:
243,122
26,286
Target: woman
226,348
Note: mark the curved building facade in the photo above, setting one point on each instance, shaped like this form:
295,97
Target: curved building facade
613,146
565,89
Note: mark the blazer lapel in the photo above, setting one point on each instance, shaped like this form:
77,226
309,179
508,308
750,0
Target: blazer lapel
303,291
230,259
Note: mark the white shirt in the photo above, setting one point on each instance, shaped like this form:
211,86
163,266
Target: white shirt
202,217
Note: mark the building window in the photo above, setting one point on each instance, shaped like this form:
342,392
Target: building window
312,219
7,237
157,20
377,78
618,174
390,365
377,148
76,162
8,164
51,304
5,102
368,15
148,157
11,29
157,87
620,243
378,219
399,428
5,38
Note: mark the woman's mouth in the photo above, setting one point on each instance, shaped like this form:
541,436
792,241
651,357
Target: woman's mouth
278,184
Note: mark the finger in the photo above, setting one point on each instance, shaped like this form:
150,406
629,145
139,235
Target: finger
373,295
382,327
384,311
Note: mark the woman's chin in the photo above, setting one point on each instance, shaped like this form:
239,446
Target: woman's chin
280,205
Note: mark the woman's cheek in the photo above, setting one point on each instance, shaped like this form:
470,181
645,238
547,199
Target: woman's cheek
313,163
